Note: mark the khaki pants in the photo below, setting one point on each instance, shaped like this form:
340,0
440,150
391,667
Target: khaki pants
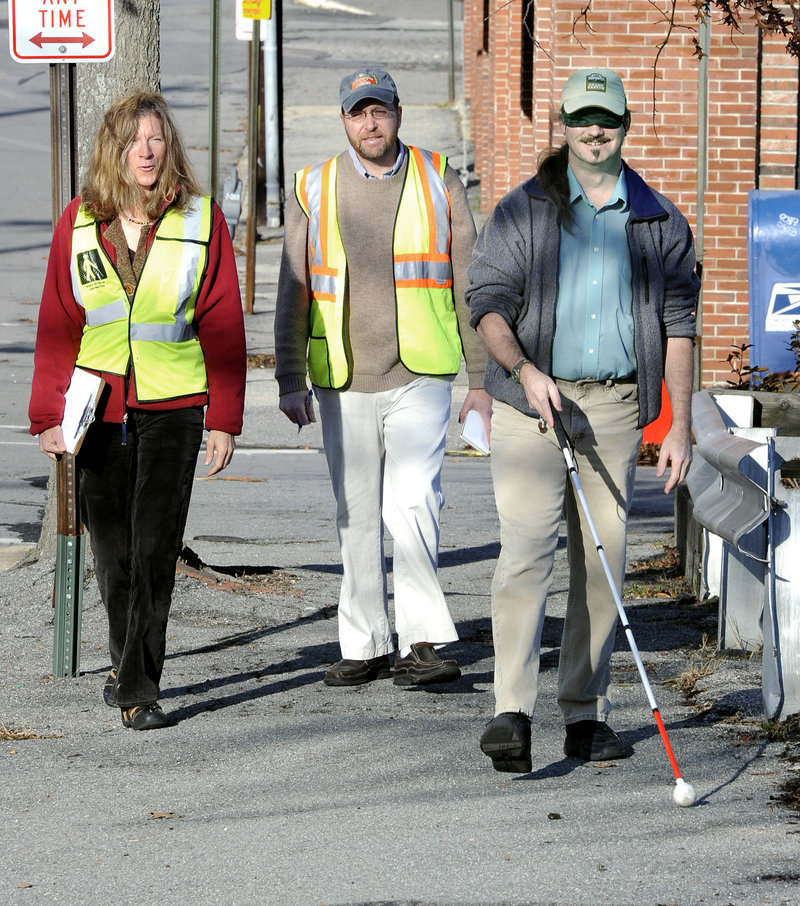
385,452
532,492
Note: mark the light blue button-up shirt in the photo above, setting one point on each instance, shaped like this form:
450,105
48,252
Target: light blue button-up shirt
594,322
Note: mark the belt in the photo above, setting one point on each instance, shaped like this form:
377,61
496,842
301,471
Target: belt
627,379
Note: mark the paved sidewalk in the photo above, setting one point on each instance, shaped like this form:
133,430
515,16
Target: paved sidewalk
275,789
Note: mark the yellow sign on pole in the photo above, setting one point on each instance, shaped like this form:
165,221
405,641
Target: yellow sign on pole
257,9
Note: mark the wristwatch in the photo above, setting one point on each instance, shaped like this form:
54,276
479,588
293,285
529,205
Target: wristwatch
518,367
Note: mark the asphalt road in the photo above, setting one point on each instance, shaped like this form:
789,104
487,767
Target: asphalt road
272,788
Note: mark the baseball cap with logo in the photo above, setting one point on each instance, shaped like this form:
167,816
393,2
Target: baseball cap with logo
594,88
367,83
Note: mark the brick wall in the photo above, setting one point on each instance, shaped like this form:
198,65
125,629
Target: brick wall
513,83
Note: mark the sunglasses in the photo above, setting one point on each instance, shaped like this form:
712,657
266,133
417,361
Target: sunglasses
593,116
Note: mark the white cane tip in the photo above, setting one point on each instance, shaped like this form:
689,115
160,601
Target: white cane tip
684,794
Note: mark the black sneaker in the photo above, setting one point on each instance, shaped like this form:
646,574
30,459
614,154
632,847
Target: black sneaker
422,665
593,740
145,717
109,687
507,741
356,673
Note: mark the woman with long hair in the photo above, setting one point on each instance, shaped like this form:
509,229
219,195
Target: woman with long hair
142,290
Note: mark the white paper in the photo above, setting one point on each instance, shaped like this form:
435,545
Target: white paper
473,431
80,401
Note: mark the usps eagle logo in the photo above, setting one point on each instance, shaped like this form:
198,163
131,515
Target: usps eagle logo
784,306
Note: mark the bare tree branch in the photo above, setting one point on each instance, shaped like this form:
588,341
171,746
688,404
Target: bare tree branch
583,16
774,18
529,5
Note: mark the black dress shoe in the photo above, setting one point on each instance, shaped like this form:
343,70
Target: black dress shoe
422,665
356,673
145,717
108,688
593,740
507,741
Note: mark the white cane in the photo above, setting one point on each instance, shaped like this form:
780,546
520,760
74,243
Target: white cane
683,794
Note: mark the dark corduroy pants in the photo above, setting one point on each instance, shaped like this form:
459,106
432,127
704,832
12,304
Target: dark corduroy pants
134,499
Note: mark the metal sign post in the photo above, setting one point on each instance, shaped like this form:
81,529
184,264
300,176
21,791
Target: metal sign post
272,138
213,102
64,165
41,31
252,168
252,11
68,588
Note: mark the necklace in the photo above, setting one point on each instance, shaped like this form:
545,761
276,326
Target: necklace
138,222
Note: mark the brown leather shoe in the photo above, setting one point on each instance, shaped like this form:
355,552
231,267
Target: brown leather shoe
356,673
422,666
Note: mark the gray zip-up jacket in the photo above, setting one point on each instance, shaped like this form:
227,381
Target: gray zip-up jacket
514,272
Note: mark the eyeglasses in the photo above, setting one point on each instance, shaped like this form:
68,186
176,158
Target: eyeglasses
377,113
593,116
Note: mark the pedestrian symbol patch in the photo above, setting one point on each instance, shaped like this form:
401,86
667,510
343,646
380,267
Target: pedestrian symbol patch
90,267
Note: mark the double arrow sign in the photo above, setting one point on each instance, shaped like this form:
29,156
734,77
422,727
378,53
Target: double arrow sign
61,31
84,40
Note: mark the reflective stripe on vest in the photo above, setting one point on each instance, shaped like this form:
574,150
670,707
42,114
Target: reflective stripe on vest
427,327
315,188
156,332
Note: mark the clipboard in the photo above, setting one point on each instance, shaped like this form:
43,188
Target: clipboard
80,403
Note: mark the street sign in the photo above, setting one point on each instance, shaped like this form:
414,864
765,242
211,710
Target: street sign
61,31
245,19
256,9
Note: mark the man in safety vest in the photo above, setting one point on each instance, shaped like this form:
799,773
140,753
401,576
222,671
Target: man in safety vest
371,303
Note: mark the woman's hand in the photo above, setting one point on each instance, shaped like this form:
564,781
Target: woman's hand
220,445
51,442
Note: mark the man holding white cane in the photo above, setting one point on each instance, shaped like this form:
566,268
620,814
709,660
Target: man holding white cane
583,288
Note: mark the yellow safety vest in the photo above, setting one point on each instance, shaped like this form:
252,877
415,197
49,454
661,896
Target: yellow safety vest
153,332
427,327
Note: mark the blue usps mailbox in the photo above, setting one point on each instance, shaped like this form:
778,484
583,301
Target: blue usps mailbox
773,245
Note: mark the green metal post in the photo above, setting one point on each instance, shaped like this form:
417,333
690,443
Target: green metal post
213,102
68,588
69,604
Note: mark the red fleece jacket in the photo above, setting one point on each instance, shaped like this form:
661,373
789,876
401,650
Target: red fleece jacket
218,321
